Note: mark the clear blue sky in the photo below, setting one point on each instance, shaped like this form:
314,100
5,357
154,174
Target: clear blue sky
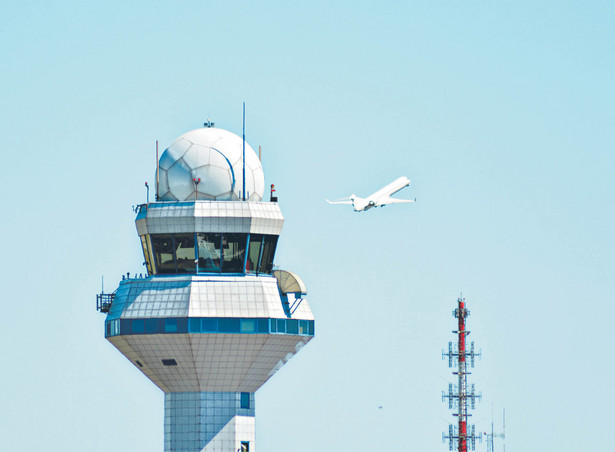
502,115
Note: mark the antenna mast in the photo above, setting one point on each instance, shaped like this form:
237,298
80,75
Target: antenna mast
243,193
157,172
458,396
492,435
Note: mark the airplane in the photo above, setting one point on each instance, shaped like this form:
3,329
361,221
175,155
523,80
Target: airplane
379,199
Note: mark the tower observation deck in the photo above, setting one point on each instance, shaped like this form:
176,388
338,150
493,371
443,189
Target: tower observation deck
213,320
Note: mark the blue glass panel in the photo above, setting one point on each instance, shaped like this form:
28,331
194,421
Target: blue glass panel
194,325
182,325
228,325
245,400
248,326
108,329
174,325
281,325
209,325
151,325
303,328
170,325
138,326
262,325
292,326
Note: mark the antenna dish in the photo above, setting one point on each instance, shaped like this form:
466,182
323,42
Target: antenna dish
289,282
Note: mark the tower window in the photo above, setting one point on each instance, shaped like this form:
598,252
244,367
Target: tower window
269,244
169,362
233,252
212,252
163,253
147,253
184,252
254,251
245,400
208,246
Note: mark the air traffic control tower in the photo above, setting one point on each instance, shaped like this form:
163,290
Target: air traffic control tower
212,320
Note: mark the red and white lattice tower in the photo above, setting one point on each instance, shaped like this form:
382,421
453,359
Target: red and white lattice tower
461,396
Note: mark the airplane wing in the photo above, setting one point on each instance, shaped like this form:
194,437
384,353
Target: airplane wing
405,184
389,200
390,189
346,201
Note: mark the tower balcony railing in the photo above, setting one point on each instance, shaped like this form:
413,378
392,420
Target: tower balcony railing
104,301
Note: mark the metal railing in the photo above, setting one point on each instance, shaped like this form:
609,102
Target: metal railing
104,301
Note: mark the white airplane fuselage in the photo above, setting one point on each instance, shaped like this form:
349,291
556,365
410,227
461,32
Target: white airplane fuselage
380,198
385,192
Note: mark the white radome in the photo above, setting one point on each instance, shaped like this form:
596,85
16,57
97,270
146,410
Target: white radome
214,156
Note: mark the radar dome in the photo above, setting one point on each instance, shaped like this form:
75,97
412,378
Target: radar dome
215,157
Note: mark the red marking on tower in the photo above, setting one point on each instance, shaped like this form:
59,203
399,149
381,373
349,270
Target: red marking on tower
460,396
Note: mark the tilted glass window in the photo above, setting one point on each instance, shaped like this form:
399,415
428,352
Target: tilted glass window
213,253
163,253
209,252
184,251
266,263
233,252
147,253
254,251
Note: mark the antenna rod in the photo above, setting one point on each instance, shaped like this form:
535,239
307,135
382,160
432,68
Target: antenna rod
244,153
157,171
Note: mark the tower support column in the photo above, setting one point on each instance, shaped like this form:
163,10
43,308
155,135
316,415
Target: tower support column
209,422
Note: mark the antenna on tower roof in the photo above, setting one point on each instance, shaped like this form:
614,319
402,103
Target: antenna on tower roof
157,173
243,160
